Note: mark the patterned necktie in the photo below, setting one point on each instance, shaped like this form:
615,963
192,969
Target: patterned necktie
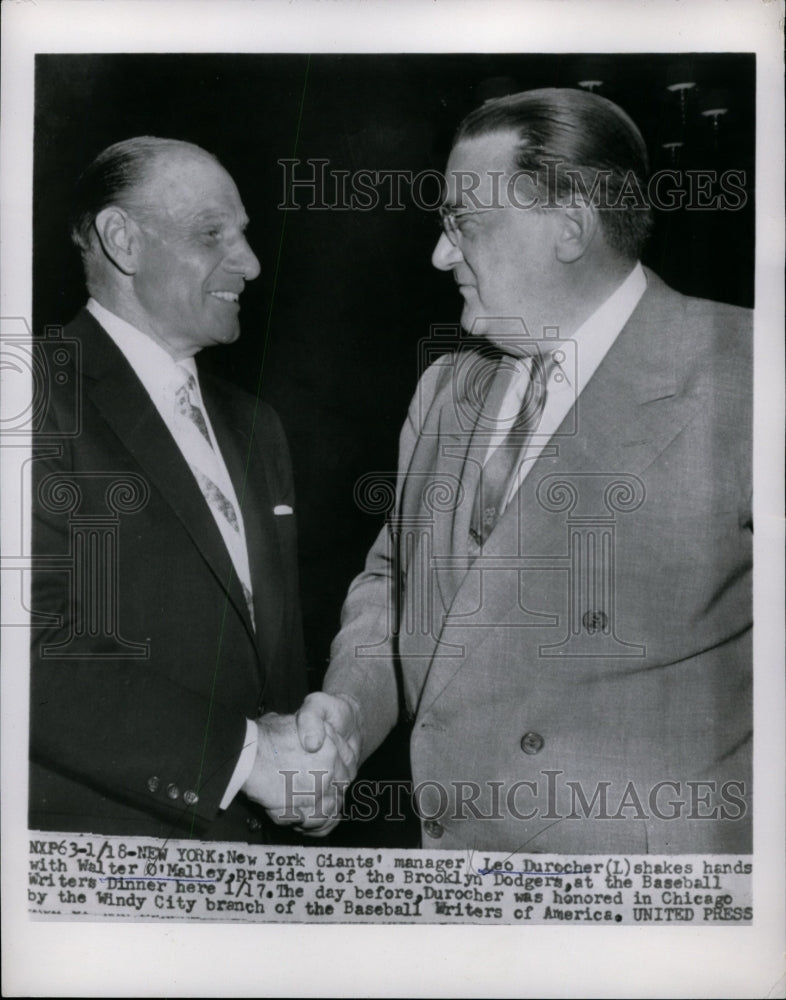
497,473
186,406
206,470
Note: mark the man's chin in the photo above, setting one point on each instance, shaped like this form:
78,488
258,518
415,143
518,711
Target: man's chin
228,335
476,326
484,328
509,335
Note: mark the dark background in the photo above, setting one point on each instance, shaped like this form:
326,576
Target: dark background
331,327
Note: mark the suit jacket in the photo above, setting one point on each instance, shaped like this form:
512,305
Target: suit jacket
585,685
145,664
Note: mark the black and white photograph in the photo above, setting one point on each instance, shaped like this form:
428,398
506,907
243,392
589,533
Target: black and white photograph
392,448
482,652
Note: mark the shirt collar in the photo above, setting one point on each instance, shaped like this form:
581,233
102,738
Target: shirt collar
576,359
156,369
597,333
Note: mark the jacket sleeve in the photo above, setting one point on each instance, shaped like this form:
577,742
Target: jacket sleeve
363,656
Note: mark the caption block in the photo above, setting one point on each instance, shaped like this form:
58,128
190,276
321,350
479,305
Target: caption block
79,876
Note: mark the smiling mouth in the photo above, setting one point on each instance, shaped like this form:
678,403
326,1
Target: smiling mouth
226,296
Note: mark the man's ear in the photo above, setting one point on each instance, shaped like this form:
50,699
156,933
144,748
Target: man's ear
120,238
579,225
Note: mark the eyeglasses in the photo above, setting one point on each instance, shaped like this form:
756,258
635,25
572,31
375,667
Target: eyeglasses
449,219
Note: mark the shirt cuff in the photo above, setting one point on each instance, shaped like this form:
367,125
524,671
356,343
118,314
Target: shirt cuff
244,766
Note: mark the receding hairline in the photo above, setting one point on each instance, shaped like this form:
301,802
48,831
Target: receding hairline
170,153
124,175
503,131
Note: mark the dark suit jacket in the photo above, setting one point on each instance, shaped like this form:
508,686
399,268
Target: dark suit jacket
602,644
145,665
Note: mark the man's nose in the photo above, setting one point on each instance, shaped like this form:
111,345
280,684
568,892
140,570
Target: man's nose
446,255
244,259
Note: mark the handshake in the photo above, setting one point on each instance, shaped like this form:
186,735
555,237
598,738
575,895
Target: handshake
304,763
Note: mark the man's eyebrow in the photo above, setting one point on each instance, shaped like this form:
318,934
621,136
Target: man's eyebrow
209,214
213,215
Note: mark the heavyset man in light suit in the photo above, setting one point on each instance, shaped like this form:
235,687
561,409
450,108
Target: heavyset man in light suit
166,635
573,652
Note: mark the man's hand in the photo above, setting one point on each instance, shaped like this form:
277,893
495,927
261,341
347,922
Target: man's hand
300,787
322,714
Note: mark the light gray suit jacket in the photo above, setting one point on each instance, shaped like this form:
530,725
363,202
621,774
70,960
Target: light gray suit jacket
585,685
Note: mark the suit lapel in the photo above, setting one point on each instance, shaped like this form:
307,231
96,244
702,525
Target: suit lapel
234,433
434,463
463,437
636,403
629,412
126,407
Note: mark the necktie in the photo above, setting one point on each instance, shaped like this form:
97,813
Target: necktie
187,407
210,474
497,473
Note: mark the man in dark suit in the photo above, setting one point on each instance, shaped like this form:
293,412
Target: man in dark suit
560,602
166,638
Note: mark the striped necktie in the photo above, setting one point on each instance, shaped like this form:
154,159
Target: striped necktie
210,473
497,473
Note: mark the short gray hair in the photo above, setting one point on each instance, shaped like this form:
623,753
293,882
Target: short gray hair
113,177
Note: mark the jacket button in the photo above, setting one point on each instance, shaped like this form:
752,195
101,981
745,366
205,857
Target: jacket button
153,784
260,708
594,621
253,824
532,743
173,791
190,798
433,829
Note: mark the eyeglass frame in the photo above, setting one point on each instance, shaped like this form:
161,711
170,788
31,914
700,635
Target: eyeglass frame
450,217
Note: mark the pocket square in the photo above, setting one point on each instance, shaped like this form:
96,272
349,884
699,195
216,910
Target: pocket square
282,508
